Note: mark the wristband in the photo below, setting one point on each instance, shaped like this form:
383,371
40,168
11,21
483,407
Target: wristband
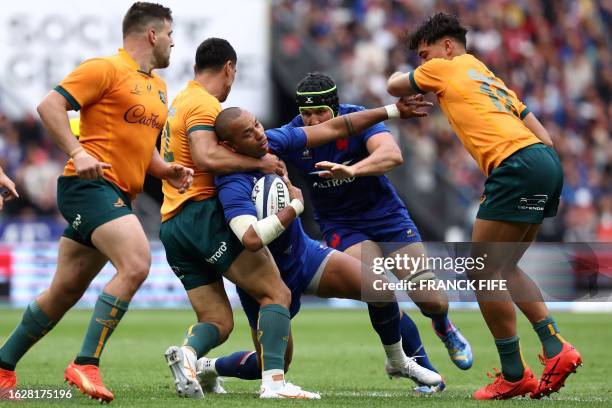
297,206
392,111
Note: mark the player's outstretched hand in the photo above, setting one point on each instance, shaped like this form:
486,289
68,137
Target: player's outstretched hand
271,164
333,170
179,177
87,166
411,106
294,192
7,189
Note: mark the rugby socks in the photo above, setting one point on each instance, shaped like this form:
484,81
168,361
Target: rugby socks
241,364
511,358
440,322
107,313
386,321
33,326
273,333
411,342
548,332
201,338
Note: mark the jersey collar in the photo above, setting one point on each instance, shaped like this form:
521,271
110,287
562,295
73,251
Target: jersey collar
127,58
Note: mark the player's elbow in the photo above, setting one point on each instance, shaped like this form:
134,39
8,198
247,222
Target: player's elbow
396,158
252,242
43,108
393,87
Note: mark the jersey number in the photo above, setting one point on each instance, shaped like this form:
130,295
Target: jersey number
500,99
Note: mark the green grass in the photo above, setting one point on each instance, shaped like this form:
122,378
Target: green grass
336,353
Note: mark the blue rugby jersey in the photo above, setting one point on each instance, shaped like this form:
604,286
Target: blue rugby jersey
357,198
290,248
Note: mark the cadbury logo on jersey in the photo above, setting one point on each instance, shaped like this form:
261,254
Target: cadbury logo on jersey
138,114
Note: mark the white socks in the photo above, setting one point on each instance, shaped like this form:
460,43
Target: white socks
396,354
273,379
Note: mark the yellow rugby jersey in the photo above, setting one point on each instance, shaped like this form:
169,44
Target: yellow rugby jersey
123,111
486,115
192,109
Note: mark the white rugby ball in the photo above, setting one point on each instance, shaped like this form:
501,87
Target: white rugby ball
270,195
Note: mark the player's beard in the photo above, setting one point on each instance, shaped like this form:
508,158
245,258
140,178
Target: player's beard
162,59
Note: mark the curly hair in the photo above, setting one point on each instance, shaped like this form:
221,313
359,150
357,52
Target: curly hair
436,27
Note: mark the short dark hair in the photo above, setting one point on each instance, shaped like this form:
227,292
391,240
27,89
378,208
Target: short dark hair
141,14
438,26
223,122
213,53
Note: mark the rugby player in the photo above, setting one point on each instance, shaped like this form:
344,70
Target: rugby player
201,248
123,108
515,152
305,265
357,208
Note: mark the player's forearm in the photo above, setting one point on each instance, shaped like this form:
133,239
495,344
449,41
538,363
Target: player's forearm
399,85
342,126
537,129
158,167
52,112
219,160
378,162
254,234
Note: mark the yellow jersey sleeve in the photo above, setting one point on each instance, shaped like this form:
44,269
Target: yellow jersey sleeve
87,83
202,116
431,76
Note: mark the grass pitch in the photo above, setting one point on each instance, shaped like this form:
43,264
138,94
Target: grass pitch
336,353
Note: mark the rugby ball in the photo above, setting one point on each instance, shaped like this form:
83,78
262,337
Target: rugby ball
270,195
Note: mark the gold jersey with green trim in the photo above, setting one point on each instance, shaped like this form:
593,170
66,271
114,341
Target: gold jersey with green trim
122,112
486,115
193,109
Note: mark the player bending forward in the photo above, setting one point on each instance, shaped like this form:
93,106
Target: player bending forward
515,152
305,265
357,208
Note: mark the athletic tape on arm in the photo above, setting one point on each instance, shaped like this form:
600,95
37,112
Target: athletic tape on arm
267,229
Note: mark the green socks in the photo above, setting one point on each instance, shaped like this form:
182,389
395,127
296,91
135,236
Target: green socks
107,313
511,359
273,334
548,332
33,326
202,337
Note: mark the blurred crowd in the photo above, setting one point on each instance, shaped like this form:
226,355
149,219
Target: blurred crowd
31,159
554,54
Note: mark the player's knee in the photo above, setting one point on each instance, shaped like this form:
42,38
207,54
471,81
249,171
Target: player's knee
135,270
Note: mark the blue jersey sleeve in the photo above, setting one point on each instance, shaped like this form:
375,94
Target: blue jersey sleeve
234,192
369,132
295,122
286,140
